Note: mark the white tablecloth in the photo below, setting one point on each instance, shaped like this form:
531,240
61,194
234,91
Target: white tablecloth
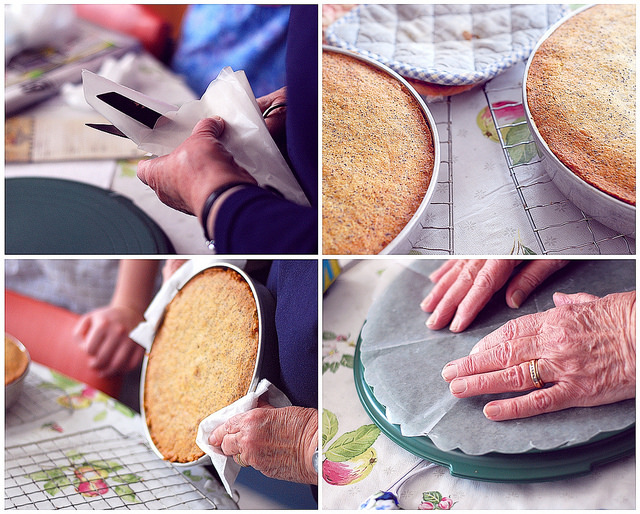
345,307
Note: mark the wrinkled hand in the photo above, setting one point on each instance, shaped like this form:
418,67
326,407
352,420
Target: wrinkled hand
585,348
463,287
104,335
185,178
277,442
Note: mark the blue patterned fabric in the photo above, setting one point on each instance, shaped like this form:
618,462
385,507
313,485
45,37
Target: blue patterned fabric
246,37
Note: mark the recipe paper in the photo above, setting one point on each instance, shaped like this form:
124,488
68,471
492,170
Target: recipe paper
418,399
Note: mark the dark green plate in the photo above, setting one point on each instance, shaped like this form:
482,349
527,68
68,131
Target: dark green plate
54,216
532,466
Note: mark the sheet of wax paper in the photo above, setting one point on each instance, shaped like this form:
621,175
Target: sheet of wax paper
403,361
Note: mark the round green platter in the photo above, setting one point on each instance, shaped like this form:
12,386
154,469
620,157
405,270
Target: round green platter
56,216
531,466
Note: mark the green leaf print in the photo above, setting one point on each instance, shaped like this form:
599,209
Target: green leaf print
352,444
432,496
347,360
126,493
330,366
63,381
329,426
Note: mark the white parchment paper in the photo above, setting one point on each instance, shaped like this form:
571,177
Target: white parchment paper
403,361
229,96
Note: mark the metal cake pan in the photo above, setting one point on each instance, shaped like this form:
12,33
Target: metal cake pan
608,210
265,305
401,244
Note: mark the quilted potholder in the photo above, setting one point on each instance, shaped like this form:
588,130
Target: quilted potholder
445,44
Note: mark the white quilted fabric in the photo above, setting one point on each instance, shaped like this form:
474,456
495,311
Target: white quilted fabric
445,44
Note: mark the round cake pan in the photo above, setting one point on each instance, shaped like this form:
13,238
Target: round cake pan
401,244
13,390
265,305
608,210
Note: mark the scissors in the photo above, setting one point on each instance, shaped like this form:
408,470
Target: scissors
137,111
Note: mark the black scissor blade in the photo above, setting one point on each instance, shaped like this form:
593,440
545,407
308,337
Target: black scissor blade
105,127
131,108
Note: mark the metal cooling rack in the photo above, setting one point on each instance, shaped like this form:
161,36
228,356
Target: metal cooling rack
112,470
435,234
547,220
36,401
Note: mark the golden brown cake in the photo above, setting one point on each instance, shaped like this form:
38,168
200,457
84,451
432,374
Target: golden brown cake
377,156
581,92
15,361
202,359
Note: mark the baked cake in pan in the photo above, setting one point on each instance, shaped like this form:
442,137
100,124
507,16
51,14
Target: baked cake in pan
581,93
377,156
202,359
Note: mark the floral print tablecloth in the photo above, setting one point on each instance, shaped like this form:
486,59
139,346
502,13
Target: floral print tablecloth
358,461
68,445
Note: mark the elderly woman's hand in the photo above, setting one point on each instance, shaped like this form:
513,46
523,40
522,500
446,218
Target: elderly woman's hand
585,349
185,178
463,287
279,443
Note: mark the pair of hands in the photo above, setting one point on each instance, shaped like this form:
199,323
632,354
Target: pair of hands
585,346
185,178
278,442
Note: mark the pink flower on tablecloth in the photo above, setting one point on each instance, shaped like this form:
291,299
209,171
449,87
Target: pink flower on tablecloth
333,354
76,401
515,132
89,392
445,503
88,478
91,481
433,500
505,112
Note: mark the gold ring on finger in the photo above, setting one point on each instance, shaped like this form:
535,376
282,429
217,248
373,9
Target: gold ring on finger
535,375
239,460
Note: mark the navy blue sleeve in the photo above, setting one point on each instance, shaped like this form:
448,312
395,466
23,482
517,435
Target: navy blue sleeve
293,365
253,221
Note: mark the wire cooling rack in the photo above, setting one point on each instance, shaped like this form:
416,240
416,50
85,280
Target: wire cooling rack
435,232
37,400
95,469
549,220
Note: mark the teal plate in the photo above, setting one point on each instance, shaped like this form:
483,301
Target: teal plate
65,217
532,466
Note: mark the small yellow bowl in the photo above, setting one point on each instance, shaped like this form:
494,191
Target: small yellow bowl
16,368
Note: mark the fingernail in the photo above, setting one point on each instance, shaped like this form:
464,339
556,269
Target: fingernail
517,298
450,372
475,349
425,302
455,325
433,319
491,410
458,386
